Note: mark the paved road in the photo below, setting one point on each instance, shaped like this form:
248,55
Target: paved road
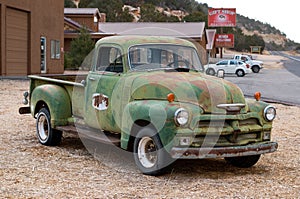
280,85
292,63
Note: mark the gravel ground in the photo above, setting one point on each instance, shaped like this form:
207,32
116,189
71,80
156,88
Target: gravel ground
30,170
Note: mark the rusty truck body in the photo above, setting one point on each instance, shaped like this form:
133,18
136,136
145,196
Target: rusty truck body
150,96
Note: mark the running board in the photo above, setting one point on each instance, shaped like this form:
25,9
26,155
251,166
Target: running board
92,134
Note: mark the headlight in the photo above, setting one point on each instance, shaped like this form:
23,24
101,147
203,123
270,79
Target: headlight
181,117
270,113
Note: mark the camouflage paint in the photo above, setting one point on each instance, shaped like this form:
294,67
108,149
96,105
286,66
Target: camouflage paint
135,96
57,100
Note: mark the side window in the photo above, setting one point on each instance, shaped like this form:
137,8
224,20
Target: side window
233,62
222,63
109,59
244,58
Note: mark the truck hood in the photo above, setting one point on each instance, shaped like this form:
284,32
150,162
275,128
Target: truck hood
188,87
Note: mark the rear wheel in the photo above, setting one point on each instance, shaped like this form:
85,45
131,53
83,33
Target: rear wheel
46,135
255,69
240,73
243,161
149,154
210,71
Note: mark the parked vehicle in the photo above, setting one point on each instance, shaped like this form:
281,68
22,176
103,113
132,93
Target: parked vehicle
149,95
229,67
255,65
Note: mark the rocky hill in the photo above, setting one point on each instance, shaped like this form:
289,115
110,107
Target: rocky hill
274,38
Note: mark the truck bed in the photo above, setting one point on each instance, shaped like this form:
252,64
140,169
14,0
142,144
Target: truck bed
73,84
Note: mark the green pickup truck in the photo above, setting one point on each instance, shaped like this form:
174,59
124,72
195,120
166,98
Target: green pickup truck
149,96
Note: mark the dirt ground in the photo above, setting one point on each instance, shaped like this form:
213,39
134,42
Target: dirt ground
30,170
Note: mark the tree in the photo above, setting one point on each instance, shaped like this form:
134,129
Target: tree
80,48
196,17
113,10
150,14
69,4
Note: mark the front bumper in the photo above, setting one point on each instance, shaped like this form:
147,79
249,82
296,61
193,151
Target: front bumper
221,152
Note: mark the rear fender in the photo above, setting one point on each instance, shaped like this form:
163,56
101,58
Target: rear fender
56,99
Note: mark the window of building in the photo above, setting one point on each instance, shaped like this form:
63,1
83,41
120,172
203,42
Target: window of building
43,55
55,49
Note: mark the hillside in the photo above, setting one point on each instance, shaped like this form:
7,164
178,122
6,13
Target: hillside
274,38
248,31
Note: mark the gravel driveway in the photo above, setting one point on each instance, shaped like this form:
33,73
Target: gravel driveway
30,170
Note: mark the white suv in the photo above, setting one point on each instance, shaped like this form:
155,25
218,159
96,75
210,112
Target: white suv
229,67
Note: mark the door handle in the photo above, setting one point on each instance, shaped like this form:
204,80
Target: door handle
92,79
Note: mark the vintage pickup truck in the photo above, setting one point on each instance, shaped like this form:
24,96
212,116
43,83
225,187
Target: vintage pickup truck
149,95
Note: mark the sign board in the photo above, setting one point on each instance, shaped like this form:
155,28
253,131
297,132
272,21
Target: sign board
221,17
224,40
210,35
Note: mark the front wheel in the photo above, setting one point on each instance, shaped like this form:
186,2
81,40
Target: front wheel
149,154
243,161
46,135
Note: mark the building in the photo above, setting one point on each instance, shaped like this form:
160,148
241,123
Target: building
192,31
90,18
32,37
78,18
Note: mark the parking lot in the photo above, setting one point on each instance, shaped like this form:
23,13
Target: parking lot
274,81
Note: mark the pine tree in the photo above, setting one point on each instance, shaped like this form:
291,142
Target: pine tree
80,48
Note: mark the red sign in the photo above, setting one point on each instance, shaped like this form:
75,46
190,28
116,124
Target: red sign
224,40
222,17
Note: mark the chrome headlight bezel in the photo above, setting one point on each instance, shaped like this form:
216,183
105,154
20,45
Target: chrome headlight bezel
181,117
269,113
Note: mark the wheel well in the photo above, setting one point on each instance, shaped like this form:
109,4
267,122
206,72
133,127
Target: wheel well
139,124
39,106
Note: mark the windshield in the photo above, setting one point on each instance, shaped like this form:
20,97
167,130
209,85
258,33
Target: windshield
163,56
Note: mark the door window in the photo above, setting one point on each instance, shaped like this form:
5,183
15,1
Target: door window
109,59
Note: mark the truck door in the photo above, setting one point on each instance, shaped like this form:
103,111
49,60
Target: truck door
101,81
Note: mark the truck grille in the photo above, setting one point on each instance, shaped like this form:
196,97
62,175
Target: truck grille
227,132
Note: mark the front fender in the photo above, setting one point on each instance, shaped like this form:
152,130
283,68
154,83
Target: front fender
57,100
258,108
160,114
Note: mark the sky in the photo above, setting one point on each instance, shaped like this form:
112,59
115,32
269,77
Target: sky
283,15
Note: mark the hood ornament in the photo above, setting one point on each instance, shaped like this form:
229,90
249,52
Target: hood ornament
232,108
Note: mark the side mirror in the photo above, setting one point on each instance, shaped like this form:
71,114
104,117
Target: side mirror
221,74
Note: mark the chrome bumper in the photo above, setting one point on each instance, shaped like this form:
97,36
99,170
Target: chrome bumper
221,152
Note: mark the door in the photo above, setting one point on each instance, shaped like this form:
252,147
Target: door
17,42
231,67
100,86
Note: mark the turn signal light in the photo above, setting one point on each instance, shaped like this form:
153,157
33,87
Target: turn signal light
171,97
257,96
